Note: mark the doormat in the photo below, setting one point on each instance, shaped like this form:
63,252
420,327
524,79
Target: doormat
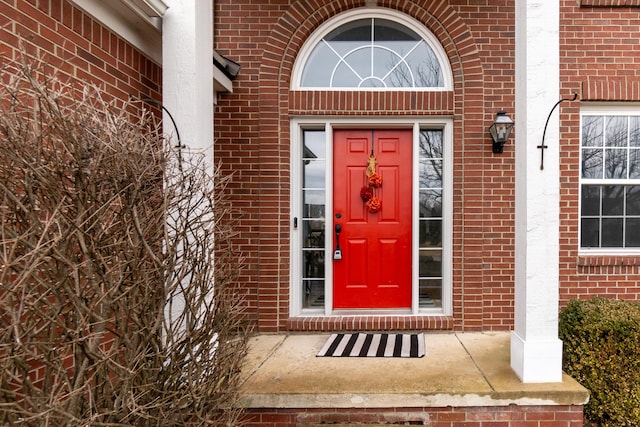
374,345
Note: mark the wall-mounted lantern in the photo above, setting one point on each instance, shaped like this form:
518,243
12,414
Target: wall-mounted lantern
500,130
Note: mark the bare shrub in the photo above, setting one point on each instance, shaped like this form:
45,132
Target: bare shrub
107,309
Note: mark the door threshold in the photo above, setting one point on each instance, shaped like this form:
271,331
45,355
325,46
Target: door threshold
372,312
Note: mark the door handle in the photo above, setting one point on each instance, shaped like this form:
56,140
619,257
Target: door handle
337,254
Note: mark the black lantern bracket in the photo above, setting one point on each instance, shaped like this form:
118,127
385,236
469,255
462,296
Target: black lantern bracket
542,146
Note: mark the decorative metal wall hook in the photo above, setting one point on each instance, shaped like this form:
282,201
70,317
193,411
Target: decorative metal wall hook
542,146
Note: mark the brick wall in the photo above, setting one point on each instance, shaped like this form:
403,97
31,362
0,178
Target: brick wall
508,416
78,50
252,138
252,125
76,47
599,60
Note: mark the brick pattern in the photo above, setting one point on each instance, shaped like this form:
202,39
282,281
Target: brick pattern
253,127
369,323
370,103
599,59
610,3
77,47
618,88
505,416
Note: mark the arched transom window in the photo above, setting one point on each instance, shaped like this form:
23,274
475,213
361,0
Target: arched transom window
379,50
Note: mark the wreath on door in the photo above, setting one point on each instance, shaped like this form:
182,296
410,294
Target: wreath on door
374,182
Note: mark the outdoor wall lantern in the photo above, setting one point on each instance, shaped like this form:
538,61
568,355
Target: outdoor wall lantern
500,130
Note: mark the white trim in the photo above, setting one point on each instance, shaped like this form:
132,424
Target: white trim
329,124
150,8
130,22
380,13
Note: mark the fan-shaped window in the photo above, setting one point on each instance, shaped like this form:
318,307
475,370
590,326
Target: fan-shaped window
373,52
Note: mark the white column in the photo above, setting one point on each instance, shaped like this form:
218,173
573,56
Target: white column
187,73
536,351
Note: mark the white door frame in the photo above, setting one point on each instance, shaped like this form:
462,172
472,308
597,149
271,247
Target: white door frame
328,124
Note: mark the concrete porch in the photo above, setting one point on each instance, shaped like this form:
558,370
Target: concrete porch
460,370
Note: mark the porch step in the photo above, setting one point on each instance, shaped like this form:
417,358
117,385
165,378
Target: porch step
459,370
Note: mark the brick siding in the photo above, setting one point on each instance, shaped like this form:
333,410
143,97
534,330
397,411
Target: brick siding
508,416
77,48
598,59
252,125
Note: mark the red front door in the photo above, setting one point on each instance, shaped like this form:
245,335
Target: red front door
375,268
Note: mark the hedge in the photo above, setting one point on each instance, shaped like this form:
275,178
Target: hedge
602,351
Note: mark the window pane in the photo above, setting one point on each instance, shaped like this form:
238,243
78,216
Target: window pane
372,52
590,203
632,232
314,173
313,294
314,144
592,163
612,232
425,66
313,217
430,203
590,233
431,159
386,32
345,77
592,131
313,264
430,293
316,72
612,200
634,131
615,163
610,151
431,144
616,131
313,234
633,200
634,163
358,62
430,173
430,263
430,233
314,203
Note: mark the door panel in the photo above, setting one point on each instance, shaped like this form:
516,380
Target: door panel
375,269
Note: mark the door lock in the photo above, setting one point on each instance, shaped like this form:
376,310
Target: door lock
337,254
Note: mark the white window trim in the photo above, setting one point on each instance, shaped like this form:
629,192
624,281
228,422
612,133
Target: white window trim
298,125
380,13
603,109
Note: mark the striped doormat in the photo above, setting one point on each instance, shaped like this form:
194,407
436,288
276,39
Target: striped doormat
373,345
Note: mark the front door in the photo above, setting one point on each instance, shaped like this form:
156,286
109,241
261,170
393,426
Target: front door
372,268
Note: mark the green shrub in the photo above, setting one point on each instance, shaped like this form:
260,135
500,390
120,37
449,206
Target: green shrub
602,351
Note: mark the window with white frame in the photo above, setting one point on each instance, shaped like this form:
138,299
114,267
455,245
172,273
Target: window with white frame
610,179
372,49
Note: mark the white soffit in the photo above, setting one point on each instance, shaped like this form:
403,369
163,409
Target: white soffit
137,21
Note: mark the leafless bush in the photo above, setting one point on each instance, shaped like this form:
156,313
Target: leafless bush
107,310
